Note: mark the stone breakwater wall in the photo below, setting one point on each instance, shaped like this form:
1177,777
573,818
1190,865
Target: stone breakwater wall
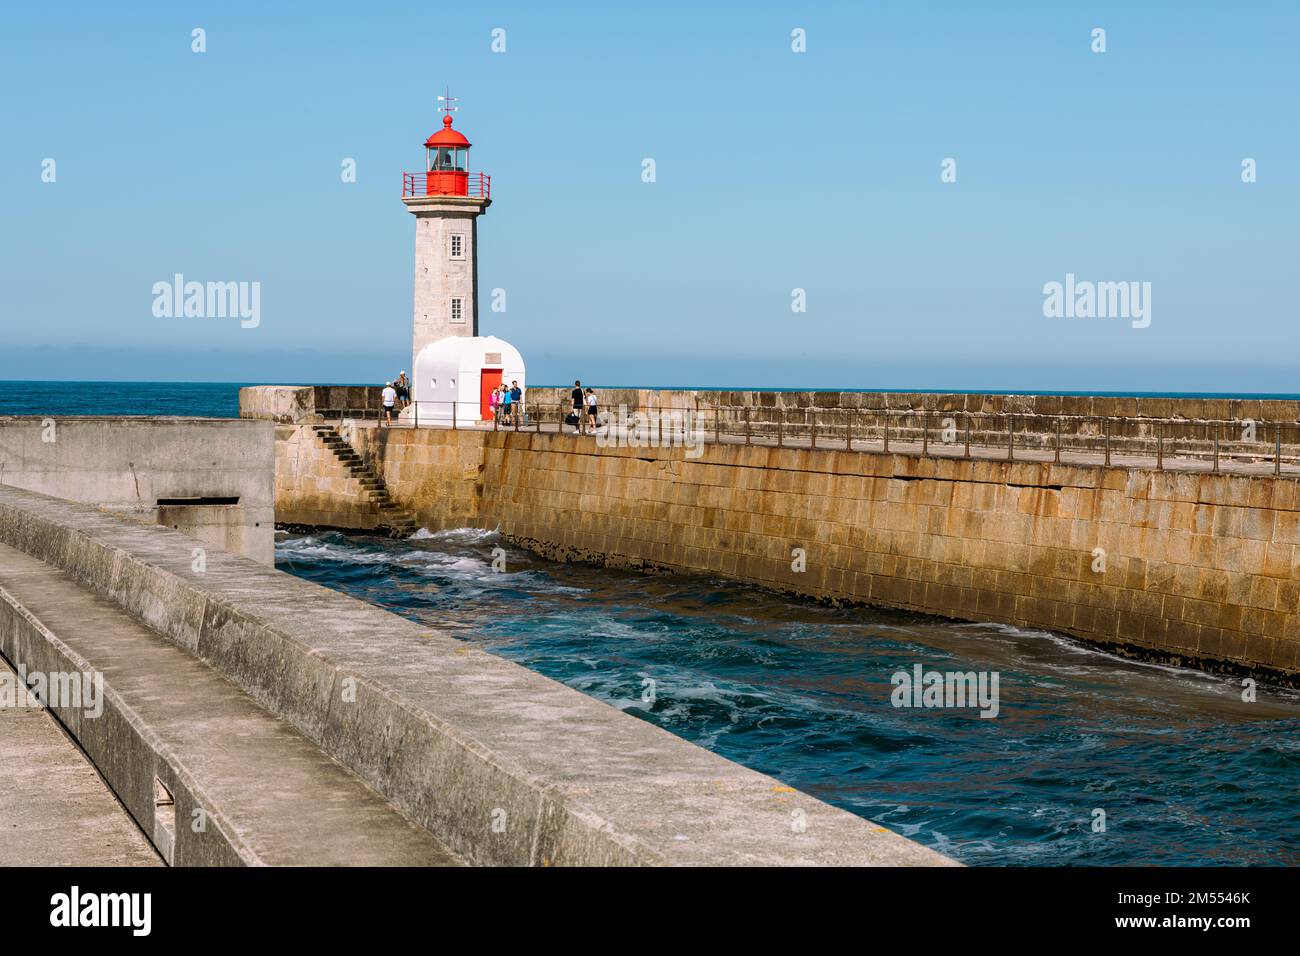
1189,568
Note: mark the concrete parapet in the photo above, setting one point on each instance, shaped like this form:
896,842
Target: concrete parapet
500,764
210,777
283,404
213,479
310,404
336,400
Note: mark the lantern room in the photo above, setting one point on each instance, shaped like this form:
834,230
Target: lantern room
447,162
446,165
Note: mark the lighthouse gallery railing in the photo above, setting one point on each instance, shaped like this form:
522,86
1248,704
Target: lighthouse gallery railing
416,184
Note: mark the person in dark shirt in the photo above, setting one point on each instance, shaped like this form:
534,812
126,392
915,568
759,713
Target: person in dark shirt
579,408
516,402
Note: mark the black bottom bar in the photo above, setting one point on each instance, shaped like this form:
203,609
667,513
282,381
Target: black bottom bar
586,908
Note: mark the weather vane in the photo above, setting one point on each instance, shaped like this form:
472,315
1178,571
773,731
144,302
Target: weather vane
448,100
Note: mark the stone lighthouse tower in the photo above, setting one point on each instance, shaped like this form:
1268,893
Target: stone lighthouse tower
446,200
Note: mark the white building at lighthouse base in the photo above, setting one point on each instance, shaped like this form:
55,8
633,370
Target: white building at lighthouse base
455,375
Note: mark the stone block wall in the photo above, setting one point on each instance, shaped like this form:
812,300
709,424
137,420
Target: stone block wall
434,473
1185,567
335,400
313,488
277,403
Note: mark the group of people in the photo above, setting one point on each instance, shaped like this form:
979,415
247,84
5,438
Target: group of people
507,404
396,396
583,415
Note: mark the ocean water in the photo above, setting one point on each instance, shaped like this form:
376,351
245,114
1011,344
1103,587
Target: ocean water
202,399
1184,770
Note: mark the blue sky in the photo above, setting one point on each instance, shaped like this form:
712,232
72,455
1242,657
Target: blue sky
775,170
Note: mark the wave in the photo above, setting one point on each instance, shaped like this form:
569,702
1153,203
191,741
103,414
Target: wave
467,536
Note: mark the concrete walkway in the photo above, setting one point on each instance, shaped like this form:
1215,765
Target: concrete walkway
272,794
55,810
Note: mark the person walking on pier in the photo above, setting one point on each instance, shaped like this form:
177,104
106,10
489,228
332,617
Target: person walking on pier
389,399
516,402
403,389
579,407
591,409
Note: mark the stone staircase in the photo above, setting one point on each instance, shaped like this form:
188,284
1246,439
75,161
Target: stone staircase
395,520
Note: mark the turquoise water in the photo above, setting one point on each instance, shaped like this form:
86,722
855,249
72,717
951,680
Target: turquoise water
205,399
1185,771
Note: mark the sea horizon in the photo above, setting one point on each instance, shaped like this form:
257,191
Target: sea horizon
1005,390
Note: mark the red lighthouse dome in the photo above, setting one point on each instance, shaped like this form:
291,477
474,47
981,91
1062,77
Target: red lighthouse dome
447,137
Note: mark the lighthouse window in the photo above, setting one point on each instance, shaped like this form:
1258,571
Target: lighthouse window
457,310
448,158
457,246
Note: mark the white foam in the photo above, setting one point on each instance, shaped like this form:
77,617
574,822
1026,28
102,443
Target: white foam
457,535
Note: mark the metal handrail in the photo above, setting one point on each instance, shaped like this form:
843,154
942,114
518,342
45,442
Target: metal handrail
478,184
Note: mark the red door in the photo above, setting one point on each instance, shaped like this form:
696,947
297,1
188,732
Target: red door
491,378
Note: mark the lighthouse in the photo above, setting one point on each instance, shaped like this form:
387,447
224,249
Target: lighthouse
455,369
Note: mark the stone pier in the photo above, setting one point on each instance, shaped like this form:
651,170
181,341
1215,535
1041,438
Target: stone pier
1165,563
